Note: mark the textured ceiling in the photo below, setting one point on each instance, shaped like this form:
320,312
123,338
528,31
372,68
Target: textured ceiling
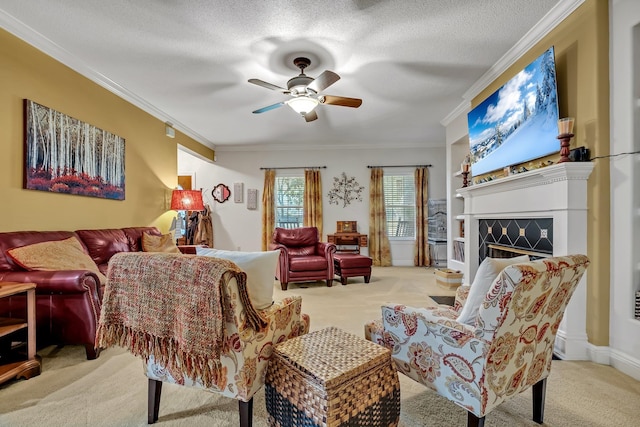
410,61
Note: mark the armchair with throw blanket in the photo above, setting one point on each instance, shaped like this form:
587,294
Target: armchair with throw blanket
303,257
191,321
506,347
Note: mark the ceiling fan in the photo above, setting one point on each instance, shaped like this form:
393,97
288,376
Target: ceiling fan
305,92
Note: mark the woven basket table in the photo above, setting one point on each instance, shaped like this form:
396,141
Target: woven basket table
332,378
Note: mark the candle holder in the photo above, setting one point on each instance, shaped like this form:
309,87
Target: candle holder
465,168
565,126
465,179
564,147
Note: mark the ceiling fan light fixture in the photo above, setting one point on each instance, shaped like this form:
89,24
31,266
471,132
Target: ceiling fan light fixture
303,104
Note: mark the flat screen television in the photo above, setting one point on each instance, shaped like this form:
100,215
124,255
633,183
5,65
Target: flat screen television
518,122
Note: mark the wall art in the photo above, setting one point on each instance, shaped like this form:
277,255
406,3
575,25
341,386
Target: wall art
221,193
252,198
238,190
346,190
66,155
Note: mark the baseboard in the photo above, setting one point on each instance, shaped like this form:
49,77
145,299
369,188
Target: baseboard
403,263
625,363
571,347
616,359
599,354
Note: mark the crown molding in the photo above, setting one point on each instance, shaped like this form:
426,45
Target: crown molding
463,108
57,52
325,146
548,22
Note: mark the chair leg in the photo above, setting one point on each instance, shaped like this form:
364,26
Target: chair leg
283,285
539,391
367,279
246,413
155,389
329,283
92,353
473,421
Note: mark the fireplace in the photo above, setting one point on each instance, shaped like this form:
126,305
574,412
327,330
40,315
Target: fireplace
510,237
545,207
499,251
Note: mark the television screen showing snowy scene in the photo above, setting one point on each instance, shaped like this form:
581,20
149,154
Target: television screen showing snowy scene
65,155
518,122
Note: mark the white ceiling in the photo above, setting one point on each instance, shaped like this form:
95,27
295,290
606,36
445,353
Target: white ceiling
188,62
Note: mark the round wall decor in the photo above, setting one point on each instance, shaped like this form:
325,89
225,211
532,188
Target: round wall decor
221,193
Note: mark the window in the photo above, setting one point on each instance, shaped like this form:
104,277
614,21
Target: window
289,195
400,204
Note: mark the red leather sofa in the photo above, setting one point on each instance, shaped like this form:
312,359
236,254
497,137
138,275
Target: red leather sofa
67,302
303,257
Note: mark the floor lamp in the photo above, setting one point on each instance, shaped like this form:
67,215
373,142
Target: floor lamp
187,200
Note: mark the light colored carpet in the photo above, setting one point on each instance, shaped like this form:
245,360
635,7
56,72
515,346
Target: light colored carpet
112,390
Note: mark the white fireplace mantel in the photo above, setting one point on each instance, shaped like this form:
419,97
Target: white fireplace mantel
559,192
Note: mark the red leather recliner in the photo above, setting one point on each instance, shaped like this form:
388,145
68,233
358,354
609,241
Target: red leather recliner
303,257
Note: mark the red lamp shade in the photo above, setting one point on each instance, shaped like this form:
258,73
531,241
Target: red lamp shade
187,200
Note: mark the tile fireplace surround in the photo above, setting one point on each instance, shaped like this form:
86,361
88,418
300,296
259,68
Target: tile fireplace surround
558,192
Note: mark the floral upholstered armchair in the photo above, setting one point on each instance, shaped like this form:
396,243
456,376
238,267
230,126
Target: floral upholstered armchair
506,349
192,322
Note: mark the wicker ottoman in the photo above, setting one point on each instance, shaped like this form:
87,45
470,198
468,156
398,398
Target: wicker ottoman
332,378
351,265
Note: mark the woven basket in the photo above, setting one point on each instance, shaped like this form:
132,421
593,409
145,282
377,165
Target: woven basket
332,378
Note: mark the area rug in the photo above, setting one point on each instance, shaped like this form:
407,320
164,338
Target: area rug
111,391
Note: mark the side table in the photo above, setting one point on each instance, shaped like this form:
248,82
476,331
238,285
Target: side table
331,378
348,242
17,367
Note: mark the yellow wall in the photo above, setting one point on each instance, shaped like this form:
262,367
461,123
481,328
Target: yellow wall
581,44
150,156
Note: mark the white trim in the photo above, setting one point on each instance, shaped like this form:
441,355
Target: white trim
57,52
571,347
599,354
463,108
548,22
323,146
625,363
536,177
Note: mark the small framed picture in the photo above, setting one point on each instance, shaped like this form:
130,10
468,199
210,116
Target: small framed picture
252,199
238,190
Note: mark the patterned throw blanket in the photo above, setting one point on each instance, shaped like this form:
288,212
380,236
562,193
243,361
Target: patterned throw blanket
171,307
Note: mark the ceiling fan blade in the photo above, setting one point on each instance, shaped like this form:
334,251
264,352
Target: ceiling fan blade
268,85
323,81
340,100
268,107
311,116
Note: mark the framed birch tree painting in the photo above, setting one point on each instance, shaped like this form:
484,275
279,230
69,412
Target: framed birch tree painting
66,155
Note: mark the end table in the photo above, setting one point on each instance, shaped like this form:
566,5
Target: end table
18,367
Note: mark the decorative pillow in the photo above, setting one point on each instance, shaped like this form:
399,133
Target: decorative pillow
260,268
163,243
67,254
486,274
